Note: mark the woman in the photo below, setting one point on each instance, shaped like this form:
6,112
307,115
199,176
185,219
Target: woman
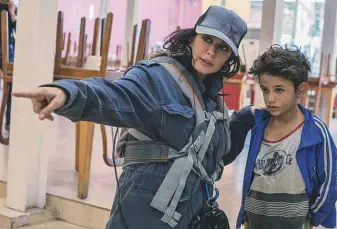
149,100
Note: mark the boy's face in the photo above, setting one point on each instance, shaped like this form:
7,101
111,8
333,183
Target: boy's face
279,94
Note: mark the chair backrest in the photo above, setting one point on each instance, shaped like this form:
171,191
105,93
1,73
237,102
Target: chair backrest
143,43
95,37
133,45
81,44
103,24
324,77
64,41
79,73
58,51
106,43
66,56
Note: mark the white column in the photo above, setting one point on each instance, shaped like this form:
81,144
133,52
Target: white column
103,12
272,20
104,8
329,33
270,33
132,15
242,7
31,140
181,13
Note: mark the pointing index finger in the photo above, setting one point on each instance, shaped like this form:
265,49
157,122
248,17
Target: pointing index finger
26,94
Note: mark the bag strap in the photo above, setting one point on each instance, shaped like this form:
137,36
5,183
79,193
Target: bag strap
186,82
175,180
169,193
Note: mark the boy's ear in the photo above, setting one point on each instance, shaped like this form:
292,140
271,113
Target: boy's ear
302,89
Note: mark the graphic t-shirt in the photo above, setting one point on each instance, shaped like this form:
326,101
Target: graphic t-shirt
277,198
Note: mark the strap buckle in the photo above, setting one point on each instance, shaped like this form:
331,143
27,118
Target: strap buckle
211,201
218,115
207,116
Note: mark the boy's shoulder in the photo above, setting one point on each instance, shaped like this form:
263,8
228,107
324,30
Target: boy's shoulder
319,123
316,129
313,125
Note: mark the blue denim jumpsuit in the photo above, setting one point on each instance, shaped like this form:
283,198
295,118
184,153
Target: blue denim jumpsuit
147,99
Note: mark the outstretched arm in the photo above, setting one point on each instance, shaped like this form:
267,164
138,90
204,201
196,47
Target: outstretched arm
241,123
127,102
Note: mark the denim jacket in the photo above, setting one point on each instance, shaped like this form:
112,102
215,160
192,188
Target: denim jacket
147,99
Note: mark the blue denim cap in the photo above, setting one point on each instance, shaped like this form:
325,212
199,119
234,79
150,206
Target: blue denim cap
223,24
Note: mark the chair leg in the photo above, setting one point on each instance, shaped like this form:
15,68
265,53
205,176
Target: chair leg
1,79
86,135
77,144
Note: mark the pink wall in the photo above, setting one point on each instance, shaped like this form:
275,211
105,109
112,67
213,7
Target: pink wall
159,14
73,13
118,8
191,13
80,8
164,16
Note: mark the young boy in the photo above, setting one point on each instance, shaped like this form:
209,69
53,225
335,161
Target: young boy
290,175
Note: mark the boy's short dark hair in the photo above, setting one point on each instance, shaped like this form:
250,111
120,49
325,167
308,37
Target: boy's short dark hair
289,63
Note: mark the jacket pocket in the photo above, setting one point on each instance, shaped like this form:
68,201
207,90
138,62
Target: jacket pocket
176,124
178,109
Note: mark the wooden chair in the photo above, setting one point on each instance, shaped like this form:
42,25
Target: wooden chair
65,59
84,130
63,72
95,37
316,84
133,46
324,77
141,54
81,44
320,97
143,44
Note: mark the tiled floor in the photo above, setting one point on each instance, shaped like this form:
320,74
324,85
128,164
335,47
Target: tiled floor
55,224
62,176
62,179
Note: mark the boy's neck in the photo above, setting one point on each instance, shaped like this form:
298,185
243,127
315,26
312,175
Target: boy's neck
293,115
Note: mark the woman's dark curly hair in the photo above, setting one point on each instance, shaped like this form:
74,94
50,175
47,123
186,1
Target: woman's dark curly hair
288,62
179,41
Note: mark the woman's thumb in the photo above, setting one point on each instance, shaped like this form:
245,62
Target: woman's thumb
50,108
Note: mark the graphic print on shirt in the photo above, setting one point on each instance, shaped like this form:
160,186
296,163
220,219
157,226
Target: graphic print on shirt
273,163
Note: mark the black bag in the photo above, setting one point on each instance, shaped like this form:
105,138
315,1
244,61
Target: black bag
211,217
215,218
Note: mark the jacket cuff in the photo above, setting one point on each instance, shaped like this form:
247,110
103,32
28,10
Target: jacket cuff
315,221
245,115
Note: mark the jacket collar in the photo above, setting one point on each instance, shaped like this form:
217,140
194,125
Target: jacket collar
310,134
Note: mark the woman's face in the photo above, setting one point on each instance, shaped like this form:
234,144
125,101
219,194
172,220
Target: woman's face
209,54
